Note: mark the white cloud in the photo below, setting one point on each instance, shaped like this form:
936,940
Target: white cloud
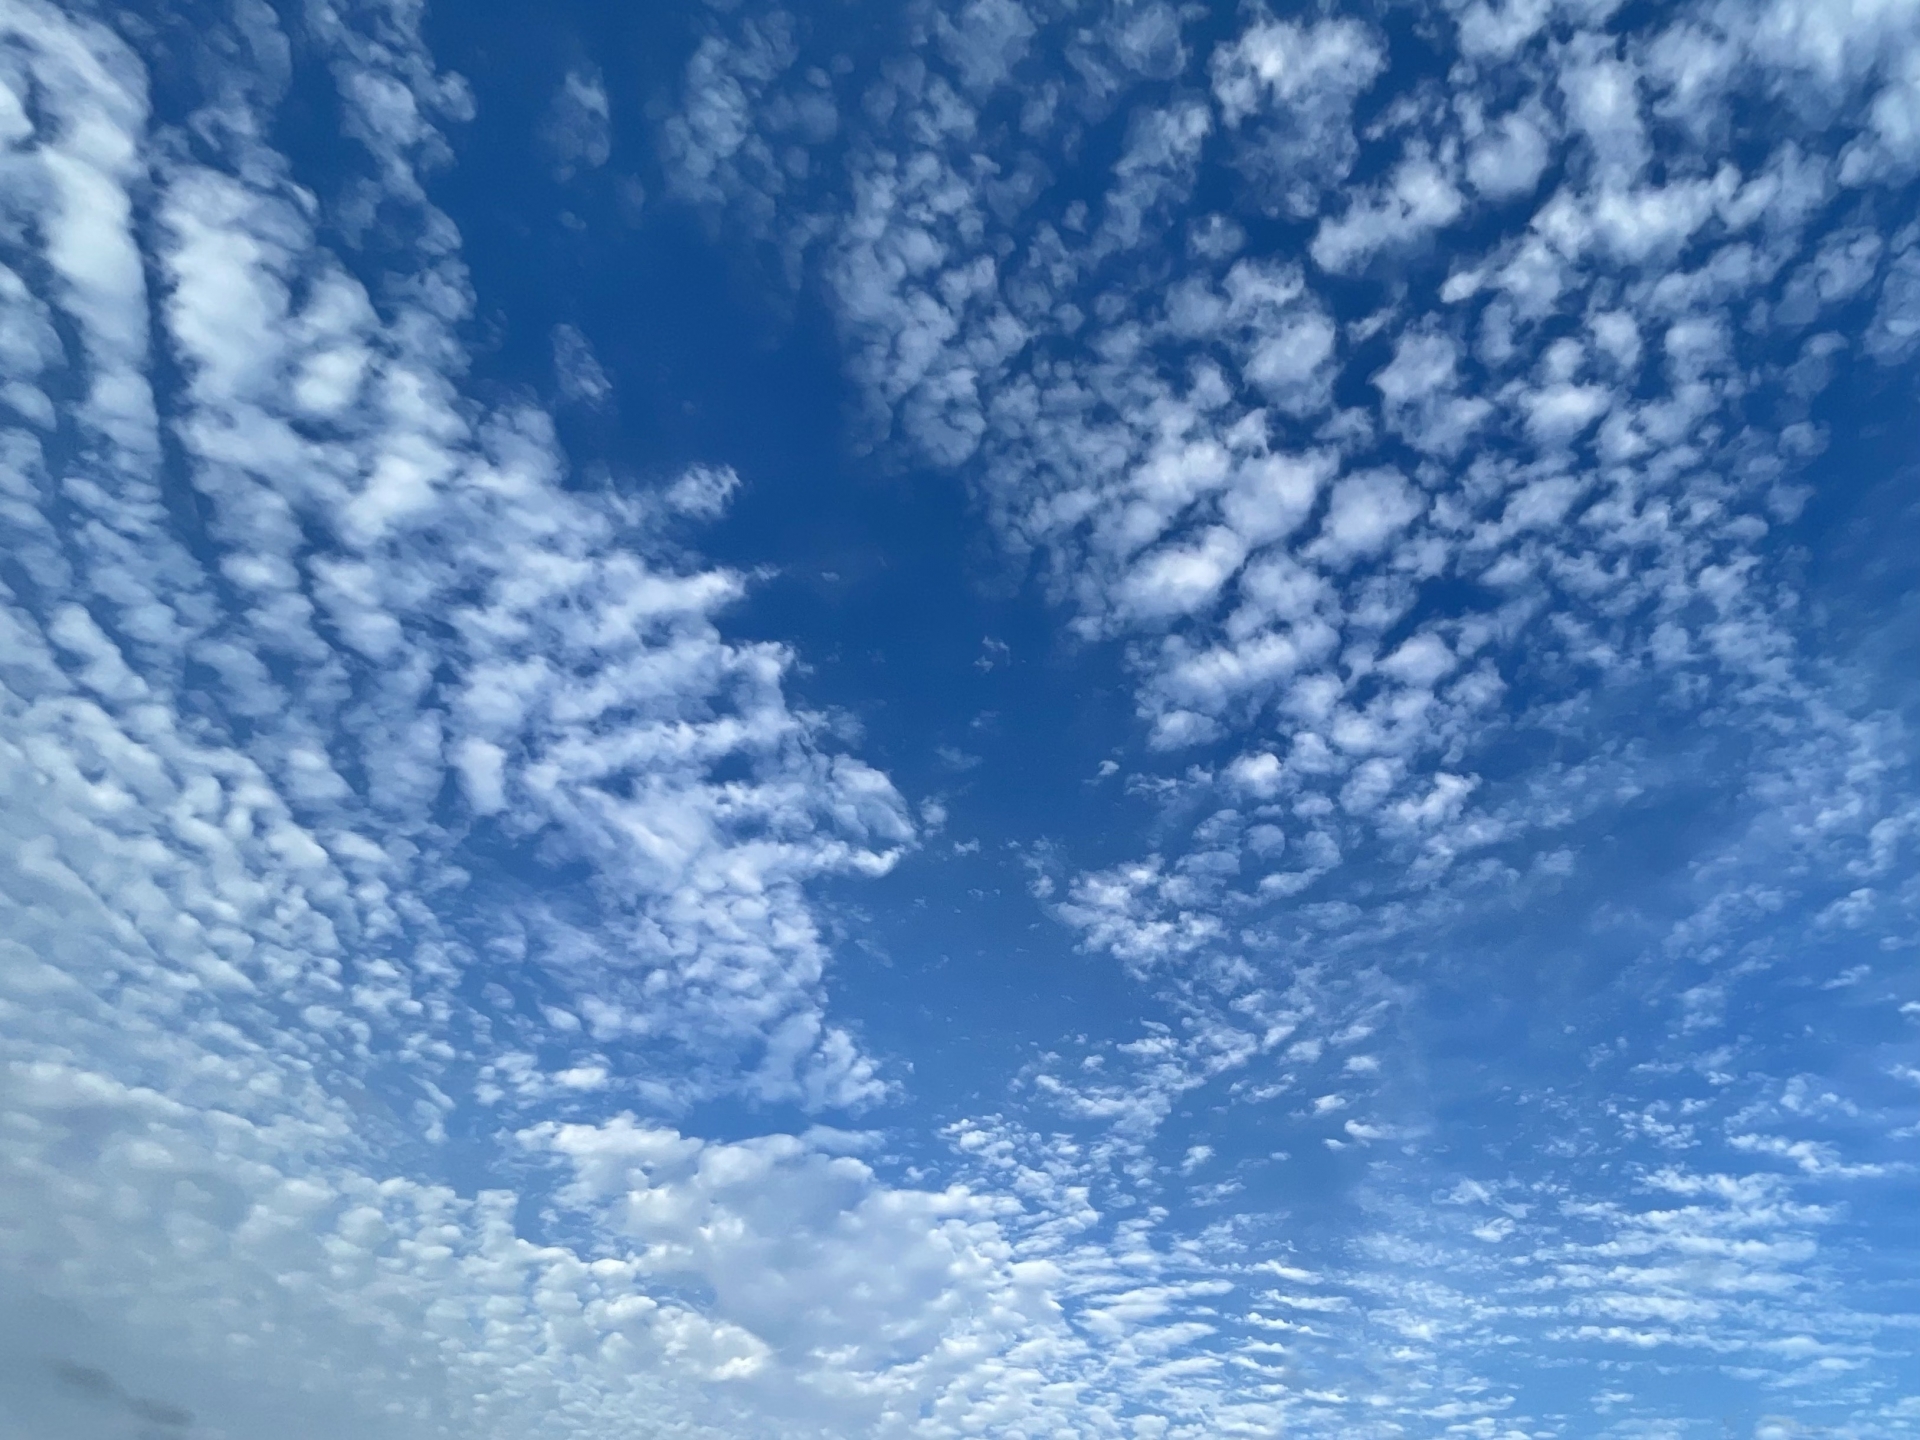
1560,411
1417,199
257,910
255,758
1420,389
1509,155
578,369
1602,100
703,491
235,887
1895,332
985,39
1288,91
1497,30
1365,512
1181,579
578,130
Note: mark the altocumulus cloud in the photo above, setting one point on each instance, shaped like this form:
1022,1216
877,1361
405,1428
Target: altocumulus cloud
421,887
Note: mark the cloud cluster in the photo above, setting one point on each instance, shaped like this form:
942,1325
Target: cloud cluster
317,674
397,847
1557,428
1555,460
1401,406
388,612
314,669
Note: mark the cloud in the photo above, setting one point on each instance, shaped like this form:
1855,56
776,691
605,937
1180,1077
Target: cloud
372,790
1508,155
578,369
1489,466
1288,91
1420,389
1418,199
984,39
578,130
1364,513
248,755
263,754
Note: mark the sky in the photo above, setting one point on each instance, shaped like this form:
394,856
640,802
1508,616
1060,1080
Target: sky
959,718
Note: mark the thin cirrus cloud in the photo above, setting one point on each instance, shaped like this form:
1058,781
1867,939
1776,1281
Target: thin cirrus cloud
423,894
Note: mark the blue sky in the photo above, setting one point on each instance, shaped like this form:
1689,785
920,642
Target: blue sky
966,718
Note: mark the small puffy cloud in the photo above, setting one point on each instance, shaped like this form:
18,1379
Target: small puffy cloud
1508,155
1272,495
577,370
1148,40
1415,201
1895,332
1286,338
1421,661
1287,91
1557,413
578,130
1364,513
1420,389
703,492
1182,578
1603,102
985,39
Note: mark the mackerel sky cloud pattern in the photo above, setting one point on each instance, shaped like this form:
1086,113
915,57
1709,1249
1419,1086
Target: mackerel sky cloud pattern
1016,718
